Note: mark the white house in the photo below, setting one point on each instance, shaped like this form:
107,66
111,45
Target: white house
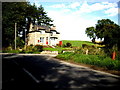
42,35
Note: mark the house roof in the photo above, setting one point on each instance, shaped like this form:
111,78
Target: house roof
45,31
37,28
42,27
54,31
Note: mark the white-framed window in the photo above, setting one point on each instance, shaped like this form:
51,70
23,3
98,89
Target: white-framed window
54,33
40,32
42,39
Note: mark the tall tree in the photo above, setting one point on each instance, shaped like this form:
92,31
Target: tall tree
107,30
12,13
90,31
19,12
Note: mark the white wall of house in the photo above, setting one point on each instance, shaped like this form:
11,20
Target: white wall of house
43,38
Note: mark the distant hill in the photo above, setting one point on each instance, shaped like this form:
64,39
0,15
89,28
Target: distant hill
77,43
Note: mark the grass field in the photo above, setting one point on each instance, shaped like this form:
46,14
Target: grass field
77,43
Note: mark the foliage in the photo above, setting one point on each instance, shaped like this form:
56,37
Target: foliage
90,33
107,30
38,48
28,49
67,45
22,13
90,51
19,42
11,51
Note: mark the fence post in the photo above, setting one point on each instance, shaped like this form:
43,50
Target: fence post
113,55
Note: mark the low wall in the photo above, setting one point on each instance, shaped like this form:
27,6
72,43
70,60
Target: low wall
50,52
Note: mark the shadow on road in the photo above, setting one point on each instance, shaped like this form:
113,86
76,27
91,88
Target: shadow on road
51,74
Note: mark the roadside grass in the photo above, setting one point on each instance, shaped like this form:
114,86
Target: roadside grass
18,51
97,60
11,51
59,49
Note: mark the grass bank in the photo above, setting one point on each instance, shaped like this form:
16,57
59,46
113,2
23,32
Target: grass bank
97,60
77,43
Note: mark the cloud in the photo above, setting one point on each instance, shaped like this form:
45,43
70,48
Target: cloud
112,11
74,5
109,8
69,23
58,6
71,27
87,8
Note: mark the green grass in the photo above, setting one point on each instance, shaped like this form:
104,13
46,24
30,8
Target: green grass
59,49
11,51
97,60
17,51
77,43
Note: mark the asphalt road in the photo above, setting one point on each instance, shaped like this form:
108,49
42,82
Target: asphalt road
43,72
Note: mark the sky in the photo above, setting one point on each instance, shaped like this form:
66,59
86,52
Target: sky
72,17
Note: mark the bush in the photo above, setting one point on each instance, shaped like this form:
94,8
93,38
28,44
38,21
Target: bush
11,51
20,43
29,48
67,45
38,48
118,55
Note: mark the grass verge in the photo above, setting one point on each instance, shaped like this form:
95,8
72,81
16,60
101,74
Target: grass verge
96,60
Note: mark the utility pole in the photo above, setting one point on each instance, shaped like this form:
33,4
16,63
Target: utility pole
15,34
25,33
25,39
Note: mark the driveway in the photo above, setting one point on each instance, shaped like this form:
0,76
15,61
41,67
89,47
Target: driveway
29,71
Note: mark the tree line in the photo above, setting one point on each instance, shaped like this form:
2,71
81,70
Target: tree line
107,31
22,13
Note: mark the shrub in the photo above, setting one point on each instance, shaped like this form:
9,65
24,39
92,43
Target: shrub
29,48
79,51
20,43
12,51
38,48
67,45
118,55
8,48
84,45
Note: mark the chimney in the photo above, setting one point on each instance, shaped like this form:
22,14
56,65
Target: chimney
53,28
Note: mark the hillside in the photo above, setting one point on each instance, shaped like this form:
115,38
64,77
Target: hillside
77,43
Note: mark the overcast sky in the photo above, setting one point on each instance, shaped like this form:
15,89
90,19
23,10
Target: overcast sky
73,17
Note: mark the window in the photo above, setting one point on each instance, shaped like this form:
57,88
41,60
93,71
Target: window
42,39
53,33
40,32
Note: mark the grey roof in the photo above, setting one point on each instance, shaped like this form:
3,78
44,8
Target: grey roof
41,27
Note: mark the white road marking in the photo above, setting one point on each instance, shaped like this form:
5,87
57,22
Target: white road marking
34,78
28,73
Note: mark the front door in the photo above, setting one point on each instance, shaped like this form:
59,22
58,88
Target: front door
47,40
